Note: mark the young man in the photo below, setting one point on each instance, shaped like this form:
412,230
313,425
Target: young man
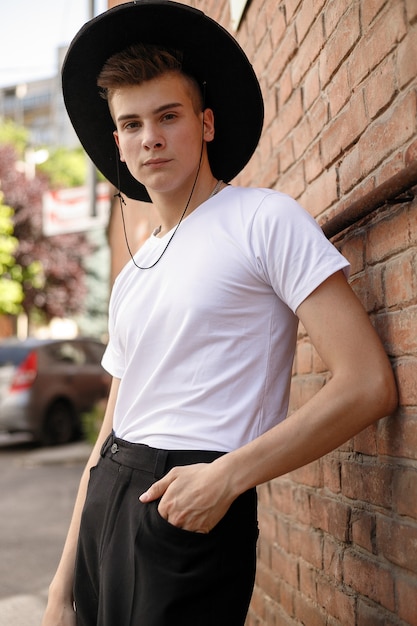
203,326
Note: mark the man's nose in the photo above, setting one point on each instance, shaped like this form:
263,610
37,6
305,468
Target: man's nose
152,138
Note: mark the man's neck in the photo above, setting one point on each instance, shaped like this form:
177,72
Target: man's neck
171,208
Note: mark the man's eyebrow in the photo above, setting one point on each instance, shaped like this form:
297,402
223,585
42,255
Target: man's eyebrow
170,105
157,111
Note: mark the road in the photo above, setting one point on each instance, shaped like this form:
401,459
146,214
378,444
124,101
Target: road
37,487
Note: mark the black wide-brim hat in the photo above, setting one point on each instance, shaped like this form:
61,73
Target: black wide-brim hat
211,55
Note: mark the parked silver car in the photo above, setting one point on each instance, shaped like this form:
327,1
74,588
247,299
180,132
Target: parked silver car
45,386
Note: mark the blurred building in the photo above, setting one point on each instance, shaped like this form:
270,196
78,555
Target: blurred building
39,107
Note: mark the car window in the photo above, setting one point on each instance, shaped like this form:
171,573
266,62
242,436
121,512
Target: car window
66,352
12,355
95,351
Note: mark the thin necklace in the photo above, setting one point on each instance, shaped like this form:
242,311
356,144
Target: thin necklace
213,193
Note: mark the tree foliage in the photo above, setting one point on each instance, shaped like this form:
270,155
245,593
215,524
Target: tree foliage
11,292
61,257
65,168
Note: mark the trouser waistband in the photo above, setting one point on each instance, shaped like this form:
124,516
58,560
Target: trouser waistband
159,462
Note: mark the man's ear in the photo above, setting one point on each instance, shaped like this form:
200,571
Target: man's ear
116,138
208,125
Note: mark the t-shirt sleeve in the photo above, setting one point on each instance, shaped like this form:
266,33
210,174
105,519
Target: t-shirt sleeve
292,253
113,358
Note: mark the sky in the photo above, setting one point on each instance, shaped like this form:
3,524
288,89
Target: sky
32,31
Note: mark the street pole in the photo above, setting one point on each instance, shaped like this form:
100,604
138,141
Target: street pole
92,172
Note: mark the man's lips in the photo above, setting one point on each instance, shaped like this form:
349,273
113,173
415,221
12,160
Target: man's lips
155,162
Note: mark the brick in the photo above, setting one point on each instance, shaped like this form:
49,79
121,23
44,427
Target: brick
321,193
308,53
333,558
381,87
365,442
407,599
292,181
401,279
344,130
307,15
310,475
406,70
331,473
268,525
363,530
369,578
397,541
304,357
267,580
307,544
286,597
406,376
353,248
411,10
398,436
386,31
339,46
307,578
302,137
404,492
311,86
397,330
387,237
332,16
410,157
303,388
286,566
282,498
335,601
351,173
369,10
286,87
284,51
391,166
286,154
371,615
308,612
338,90
367,482
369,288
290,7
330,515
389,132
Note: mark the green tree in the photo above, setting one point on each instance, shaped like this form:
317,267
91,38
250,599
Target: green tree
11,291
65,168
62,290
14,135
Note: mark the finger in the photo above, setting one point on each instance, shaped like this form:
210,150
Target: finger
156,490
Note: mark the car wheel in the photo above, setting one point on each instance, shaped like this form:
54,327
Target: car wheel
59,425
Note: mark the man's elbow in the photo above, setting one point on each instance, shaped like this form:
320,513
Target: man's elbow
382,391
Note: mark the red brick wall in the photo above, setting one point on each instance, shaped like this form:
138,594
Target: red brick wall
338,538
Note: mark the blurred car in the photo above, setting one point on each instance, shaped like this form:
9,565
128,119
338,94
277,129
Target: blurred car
46,385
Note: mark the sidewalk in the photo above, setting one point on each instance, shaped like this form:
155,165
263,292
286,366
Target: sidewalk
27,610
59,455
23,610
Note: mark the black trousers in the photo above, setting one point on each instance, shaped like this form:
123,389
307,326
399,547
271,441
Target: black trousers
133,568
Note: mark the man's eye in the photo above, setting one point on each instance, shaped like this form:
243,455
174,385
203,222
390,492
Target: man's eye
130,125
169,116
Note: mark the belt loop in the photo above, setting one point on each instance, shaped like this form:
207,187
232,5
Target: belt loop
160,463
106,445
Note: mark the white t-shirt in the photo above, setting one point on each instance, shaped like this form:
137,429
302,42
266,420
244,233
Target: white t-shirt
204,341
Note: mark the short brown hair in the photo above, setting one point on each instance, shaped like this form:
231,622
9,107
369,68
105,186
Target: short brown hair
142,62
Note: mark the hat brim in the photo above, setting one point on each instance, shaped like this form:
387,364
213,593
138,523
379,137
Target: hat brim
211,55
